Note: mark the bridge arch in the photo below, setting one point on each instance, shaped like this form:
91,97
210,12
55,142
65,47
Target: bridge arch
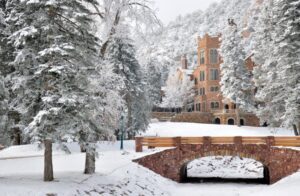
184,178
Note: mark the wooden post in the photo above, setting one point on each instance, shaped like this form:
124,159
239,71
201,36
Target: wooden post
138,144
177,141
206,144
238,143
270,141
238,140
206,141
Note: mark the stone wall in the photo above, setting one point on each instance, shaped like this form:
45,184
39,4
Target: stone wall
163,116
195,117
249,119
171,163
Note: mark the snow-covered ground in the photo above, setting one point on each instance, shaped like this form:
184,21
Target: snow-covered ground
116,175
196,129
225,167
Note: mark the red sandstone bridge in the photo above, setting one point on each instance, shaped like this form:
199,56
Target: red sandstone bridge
275,153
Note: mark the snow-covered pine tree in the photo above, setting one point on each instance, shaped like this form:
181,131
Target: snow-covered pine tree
3,91
6,130
55,77
3,111
172,98
121,55
236,84
178,91
287,52
283,75
265,71
277,54
154,81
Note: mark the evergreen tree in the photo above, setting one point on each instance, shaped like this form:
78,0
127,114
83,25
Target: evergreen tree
154,81
277,54
121,54
265,71
5,69
179,90
55,85
236,84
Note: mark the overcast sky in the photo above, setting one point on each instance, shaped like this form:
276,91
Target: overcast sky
169,9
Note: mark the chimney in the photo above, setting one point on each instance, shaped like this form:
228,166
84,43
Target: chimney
184,62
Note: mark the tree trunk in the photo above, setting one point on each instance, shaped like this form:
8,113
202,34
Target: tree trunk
296,132
48,166
16,136
82,148
90,158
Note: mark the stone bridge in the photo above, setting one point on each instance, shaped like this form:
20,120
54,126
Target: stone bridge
171,163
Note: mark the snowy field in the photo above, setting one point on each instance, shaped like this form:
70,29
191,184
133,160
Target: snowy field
21,173
196,129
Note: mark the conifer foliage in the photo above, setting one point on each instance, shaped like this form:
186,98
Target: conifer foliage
235,82
56,86
121,55
277,76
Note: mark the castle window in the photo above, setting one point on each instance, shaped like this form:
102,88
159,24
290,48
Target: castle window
196,81
214,89
214,105
214,74
198,107
202,75
213,56
202,56
202,91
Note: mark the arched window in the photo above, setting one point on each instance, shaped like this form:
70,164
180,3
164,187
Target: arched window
242,122
217,121
230,121
226,107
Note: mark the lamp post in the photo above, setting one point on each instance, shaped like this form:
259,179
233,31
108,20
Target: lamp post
122,131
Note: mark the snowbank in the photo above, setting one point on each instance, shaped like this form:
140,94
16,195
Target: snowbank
173,129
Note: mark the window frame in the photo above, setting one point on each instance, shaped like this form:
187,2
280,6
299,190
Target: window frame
213,105
210,56
212,75
202,58
202,76
214,89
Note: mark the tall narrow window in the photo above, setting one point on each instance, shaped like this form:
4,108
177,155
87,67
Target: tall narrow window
214,74
201,91
202,76
202,56
198,107
213,56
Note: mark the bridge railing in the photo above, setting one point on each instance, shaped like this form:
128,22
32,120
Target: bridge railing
153,142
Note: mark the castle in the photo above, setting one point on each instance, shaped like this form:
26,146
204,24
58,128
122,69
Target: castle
209,106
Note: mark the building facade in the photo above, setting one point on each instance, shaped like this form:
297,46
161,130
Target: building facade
208,98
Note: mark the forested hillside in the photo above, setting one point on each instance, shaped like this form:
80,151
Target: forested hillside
180,36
